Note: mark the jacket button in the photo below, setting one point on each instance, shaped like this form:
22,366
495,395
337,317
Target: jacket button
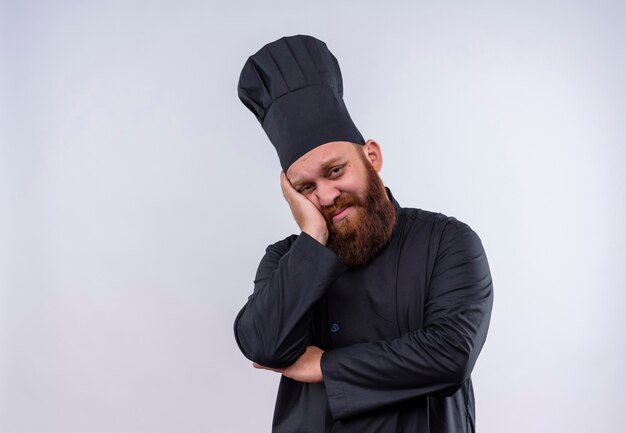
334,328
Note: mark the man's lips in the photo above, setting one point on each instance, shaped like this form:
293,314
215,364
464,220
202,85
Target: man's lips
340,214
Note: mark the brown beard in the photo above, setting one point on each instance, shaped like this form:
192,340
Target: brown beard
361,235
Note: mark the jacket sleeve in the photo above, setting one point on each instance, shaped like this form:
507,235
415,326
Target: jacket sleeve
272,328
433,360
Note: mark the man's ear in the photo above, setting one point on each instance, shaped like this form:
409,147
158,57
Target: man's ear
372,152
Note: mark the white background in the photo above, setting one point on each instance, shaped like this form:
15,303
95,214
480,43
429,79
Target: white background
137,195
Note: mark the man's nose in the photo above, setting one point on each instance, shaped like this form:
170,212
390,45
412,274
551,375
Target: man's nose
327,194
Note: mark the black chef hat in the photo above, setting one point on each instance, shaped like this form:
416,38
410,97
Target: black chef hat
294,88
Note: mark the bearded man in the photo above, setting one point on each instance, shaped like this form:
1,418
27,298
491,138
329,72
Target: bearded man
374,314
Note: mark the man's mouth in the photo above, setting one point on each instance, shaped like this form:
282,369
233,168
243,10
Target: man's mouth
341,214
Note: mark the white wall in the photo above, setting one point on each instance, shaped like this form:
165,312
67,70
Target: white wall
137,195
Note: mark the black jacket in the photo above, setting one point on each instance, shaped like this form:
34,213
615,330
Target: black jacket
401,333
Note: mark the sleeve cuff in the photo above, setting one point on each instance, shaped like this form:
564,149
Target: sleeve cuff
337,400
318,255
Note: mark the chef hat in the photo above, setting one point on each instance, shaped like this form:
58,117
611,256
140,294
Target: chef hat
294,88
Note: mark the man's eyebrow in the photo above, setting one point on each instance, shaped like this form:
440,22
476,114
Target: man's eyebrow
295,183
330,162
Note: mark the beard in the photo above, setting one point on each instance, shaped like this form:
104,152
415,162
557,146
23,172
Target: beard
358,237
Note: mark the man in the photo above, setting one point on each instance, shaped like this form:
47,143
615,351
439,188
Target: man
374,314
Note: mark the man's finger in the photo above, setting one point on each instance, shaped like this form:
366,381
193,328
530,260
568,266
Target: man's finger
285,185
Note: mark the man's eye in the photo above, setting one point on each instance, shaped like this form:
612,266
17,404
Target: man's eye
305,189
335,171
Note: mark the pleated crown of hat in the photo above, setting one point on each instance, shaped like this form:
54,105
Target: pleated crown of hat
294,88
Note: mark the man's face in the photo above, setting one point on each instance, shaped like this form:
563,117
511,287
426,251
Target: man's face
341,180
327,171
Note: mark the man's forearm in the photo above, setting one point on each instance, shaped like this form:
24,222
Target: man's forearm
272,327
307,368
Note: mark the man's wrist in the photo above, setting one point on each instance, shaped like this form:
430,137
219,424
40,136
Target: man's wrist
320,235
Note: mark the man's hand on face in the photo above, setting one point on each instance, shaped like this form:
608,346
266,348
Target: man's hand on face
307,216
306,369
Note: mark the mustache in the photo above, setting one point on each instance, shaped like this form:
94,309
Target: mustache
343,201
